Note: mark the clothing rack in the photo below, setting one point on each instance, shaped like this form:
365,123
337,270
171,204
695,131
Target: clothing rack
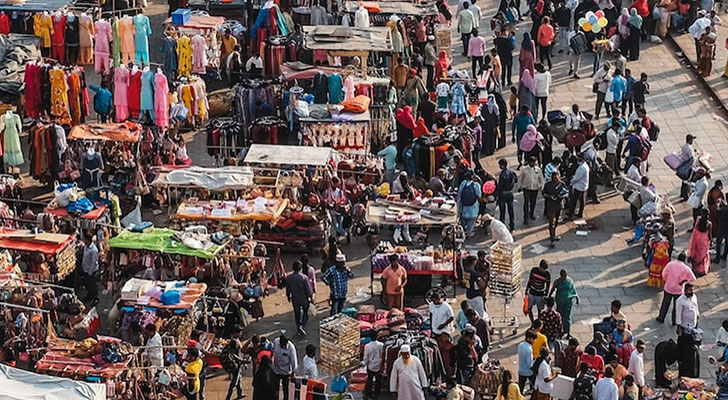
10,305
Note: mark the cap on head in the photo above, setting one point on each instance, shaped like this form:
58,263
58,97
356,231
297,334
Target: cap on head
405,349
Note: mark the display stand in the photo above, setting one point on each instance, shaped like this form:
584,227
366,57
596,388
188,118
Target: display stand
505,281
339,343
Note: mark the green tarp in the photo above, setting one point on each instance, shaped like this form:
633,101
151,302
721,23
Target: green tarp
159,239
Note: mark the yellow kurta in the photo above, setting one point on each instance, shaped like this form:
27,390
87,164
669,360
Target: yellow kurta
59,96
184,56
43,28
187,99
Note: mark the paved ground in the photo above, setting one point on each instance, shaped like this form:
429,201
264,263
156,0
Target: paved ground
604,267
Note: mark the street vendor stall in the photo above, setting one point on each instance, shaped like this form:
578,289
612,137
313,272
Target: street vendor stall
348,133
339,41
48,257
88,359
206,26
420,265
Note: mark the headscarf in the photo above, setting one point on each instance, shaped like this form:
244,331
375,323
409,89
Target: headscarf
404,117
443,60
623,23
530,138
606,4
539,7
527,43
635,20
492,106
527,80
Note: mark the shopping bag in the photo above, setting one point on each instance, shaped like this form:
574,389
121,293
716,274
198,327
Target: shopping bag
312,311
685,170
525,305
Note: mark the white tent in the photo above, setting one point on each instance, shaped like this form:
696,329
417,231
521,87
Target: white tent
18,384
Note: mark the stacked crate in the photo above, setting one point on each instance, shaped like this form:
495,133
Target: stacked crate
506,269
339,344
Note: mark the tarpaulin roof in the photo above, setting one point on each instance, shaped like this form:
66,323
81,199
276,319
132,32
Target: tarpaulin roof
199,22
216,179
397,7
341,38
15,51
30,243
19,384
160,240
123,132
33,5
289,155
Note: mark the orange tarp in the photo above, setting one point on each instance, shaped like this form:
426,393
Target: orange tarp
22,244
124,132
63,213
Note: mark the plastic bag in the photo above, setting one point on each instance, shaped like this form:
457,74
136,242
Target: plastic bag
63,192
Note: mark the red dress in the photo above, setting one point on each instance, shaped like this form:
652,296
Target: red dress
4,23
134,93
32,90
58,41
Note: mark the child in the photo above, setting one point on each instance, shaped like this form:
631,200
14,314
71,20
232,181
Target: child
513,102
310,369
461,319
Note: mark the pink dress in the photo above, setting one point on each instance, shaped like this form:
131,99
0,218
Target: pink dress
699,250
161,101
121,87
101,48
348,88
199,55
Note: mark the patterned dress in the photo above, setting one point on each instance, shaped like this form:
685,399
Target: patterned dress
59,96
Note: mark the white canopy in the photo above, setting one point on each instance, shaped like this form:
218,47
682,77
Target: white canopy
19,384
215,179
289,155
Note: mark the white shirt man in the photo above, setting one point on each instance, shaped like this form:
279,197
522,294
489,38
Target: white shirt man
580,181
606,388
686,311
373,355
574,120
153,351
543,382
542,83
637,364
408,378
441,314
612,141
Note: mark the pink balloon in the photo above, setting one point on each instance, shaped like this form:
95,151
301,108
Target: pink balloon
599,13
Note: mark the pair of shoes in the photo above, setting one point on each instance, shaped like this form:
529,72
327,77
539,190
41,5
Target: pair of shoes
301,332
596,201
552,245
525,221
532,217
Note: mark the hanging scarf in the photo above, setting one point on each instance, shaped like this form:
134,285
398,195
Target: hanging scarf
635,20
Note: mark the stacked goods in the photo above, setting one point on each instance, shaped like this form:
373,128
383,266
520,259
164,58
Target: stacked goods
339,344
65,262
506,269
178,327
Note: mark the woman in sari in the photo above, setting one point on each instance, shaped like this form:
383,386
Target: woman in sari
565,295
442,66
527,56
699,246
707,47
526,90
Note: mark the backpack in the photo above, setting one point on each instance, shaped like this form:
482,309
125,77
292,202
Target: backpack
645,147
583,388
227,358
600,140
468,197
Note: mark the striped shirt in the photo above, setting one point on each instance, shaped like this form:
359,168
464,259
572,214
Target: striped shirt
538,282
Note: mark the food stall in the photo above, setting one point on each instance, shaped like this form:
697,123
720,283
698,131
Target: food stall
421,264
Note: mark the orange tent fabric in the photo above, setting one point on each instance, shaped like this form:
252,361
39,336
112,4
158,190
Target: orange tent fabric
371,6
123,132
200,22
21,244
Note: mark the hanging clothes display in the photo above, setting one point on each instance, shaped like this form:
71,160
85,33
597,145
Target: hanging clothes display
72,39
142,30
4,23
184,56
33,99
345,137
193,94
336,85
133,96
161,100
459,106
43,28
92,165
44,153
121,89
249,94
349,88
169,57
74,98
147,94
102,50
199,54
58,48
225,137
59,95
321,88
86,36
125,29
11,126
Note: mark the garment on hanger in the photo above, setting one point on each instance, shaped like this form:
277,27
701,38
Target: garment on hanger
169,57
147,97
321,88
126,35
458,99
59,95
184,56
43,28
4,23
58,48
12,152
142,30
115,43
199,54
121,88
91,170
336,84
86,36
103,54
74,99
33,97
349,88
134,93
161,101
72,39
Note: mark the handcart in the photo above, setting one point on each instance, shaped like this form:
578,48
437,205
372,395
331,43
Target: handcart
505,281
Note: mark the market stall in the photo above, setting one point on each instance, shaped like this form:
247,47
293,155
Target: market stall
207,27
348,133
104,360
25,385
338,41
421,265
48,257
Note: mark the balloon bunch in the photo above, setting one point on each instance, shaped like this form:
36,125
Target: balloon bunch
593,21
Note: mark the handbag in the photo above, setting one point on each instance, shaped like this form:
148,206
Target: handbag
685,170
694,201
525,305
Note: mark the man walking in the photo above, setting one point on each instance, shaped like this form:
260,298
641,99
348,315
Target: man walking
476,51
675,274
619,88
394,279
504,47
722,236
408,378
468,198
285,363
299,293
531,181
430,60
337,278
466,22
507,180
577,46
686,309
373,353
636,366
545,38
602,78
562,17
539,280
579,185
525,361
554,193
606,388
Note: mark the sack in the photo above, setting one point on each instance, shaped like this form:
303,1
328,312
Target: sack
685,170
468,197
512,15
525,305
587,128
673,161
62,193
574,139
558,130
694,201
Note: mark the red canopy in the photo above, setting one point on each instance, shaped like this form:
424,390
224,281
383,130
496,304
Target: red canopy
28,244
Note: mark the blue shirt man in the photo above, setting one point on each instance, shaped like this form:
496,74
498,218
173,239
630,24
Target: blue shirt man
618,86
525,359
